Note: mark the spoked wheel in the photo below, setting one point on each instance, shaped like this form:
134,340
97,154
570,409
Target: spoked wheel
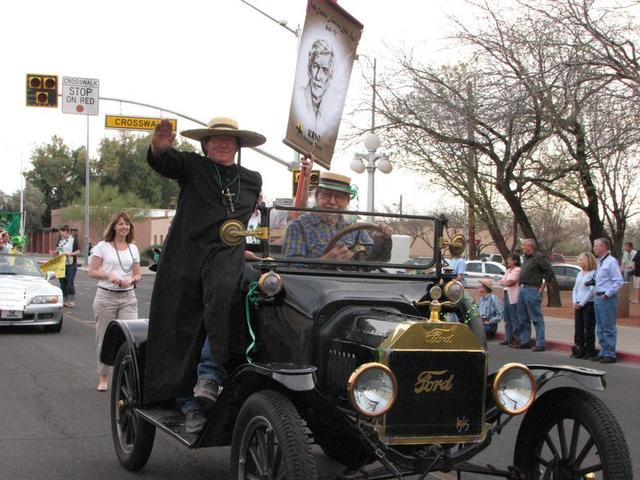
570,434
271,441
132,436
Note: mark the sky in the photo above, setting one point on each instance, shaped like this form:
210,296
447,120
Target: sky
203,60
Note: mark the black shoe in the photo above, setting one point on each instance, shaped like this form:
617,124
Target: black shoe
578,355
538,348
608,360
194,421
524,345
207,391
506,342
595,358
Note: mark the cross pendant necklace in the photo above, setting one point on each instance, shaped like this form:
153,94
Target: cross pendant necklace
229,194
226,192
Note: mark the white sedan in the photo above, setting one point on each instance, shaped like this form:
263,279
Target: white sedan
477,270
26,297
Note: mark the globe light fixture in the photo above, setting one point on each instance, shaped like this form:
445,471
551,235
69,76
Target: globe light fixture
370,162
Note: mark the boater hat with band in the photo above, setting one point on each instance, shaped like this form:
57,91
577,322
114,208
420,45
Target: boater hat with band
227,127
340,183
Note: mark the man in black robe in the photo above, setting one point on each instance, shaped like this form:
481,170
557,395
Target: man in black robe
198,276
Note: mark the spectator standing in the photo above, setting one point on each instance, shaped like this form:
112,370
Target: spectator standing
608,282
626,263
584,338
68,245
510,282
5,245
635,265
489,308
115,262
534,271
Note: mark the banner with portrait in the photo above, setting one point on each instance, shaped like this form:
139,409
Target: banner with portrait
325,59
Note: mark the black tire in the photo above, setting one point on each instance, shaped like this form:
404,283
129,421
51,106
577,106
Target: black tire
132,436
569,433
54,328
271,440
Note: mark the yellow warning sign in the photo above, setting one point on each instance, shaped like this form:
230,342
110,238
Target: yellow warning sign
135,123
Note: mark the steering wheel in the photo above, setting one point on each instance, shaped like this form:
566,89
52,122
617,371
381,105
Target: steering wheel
359,250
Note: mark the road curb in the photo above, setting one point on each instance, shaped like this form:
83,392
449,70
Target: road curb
566,347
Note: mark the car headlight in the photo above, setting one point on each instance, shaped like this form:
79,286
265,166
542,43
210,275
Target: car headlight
514,388
372,389
270,283
45,299
454,290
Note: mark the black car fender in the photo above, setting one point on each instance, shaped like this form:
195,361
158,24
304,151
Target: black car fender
133,332
293,380
586,377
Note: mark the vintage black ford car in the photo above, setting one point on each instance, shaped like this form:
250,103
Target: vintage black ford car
379,360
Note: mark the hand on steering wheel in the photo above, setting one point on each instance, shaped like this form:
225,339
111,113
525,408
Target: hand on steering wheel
357,249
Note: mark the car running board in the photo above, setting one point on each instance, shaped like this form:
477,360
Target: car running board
170,421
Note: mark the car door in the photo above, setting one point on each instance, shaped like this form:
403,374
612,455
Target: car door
472,274
493,271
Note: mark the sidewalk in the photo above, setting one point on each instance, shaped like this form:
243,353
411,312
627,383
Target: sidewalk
559,336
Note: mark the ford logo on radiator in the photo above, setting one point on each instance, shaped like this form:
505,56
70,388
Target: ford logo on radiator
433,381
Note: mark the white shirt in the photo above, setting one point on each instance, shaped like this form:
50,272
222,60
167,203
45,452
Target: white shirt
120,262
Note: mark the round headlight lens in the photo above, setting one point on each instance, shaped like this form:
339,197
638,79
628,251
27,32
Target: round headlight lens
454,290
372,389
270,283
514,388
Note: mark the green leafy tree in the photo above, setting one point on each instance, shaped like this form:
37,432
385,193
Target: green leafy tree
122,163
104,202
58,173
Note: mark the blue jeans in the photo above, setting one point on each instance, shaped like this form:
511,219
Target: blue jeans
606,325
530,310
67,284
510,313
208,368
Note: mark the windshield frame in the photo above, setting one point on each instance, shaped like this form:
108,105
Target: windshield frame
412,269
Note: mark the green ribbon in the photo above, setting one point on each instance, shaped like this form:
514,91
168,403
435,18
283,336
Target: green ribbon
250,299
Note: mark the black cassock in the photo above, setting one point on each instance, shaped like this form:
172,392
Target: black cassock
198,277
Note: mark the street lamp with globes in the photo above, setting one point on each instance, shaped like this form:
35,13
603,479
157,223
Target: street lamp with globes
370,162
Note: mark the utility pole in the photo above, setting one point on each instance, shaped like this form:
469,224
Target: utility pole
471,167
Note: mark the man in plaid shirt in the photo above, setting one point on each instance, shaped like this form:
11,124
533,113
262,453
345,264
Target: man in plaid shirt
308,235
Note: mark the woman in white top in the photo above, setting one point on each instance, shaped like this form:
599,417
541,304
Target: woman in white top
509,282
115,262
585,317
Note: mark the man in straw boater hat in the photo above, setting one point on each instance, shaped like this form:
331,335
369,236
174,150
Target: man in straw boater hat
309,235
198,277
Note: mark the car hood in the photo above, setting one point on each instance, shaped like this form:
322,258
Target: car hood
34,285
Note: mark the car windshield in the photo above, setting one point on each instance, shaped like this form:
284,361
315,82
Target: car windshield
19,265
399,244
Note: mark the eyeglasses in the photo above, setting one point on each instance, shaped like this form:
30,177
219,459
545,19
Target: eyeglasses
338,196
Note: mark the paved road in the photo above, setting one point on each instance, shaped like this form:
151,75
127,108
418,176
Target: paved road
55,425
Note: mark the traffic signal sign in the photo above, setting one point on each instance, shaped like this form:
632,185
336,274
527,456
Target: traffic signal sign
42,90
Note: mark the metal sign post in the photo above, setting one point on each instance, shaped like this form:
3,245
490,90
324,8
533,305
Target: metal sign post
81,96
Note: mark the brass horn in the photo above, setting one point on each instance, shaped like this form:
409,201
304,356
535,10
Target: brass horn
232,232
455,245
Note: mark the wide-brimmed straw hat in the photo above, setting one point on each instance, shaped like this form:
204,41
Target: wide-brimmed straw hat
225,126
487,282
340,183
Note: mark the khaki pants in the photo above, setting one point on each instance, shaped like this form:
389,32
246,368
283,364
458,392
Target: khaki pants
108,306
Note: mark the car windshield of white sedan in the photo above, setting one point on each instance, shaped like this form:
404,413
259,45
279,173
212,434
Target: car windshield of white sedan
402,244
19,265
